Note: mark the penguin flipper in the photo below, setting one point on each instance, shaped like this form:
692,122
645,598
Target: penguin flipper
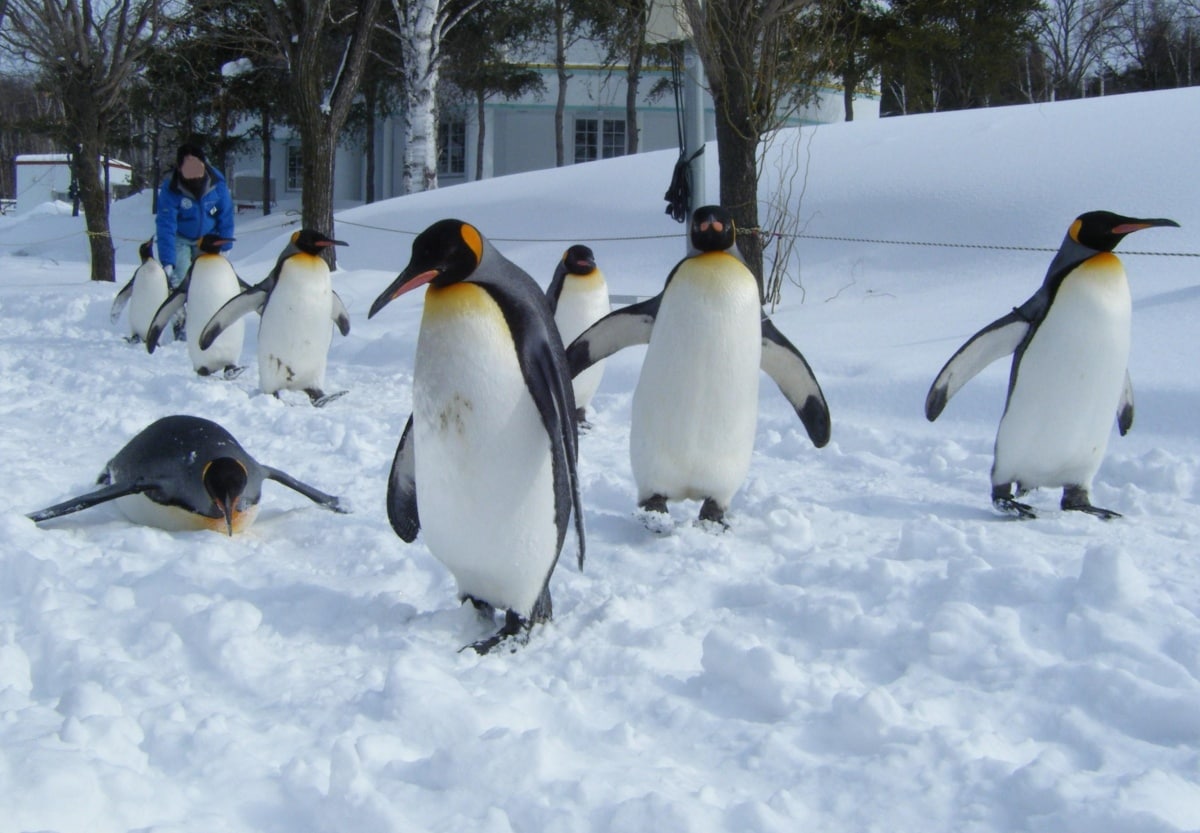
556,286
330,502
120,301
789,370
1000,338
109,492
402,488
1125,409
172,305
544,370
620,328
252,300
340,316
555,399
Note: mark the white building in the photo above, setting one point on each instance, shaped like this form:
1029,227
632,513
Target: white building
45,177
518,135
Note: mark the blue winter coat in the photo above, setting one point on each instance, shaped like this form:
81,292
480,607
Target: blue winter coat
179,213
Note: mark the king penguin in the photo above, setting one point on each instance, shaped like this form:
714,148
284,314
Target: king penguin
1070,345
489,453
182,473
297,303
578,295
210,282
695,407
144,294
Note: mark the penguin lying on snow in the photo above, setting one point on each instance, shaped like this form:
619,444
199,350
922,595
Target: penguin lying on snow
490,450
1070,346
209,283
144,293
578,296
695,407
297,302
184,472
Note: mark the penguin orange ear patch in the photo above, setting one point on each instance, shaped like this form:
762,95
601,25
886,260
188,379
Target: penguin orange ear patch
473,239
1073,231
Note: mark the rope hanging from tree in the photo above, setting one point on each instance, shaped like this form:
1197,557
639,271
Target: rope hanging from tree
679,192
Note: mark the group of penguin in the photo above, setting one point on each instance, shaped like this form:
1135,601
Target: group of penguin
296,302
486,467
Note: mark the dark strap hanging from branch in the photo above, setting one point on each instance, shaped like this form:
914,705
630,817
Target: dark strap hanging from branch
679,192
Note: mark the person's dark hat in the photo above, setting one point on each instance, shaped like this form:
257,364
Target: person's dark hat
188,149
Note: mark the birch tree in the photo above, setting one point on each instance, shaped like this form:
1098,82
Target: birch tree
420,28
87,54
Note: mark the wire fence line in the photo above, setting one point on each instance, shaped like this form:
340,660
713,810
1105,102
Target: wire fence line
877,241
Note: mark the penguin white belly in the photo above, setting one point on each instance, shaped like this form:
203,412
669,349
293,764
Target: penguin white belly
149,291
213,282
1061,410
484,473
297,328
582,302
695,407
141,510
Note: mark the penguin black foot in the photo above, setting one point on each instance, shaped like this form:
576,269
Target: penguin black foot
1075,499
515,629
179,330
581,419
320,399
654,514
133,339
712,515
1003,501
231,371
203,371
484,609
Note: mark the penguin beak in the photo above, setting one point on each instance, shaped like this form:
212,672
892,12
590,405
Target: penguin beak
328,242
405,282
226,507
1131,226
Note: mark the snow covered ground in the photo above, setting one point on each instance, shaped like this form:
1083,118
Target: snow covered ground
870,648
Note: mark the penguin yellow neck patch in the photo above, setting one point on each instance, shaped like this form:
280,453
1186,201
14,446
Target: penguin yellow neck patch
1073,231
474,240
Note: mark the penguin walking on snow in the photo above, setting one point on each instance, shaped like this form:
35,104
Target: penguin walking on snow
489,453
297,303
695,407
144,294
210,282
182,473
578,295
1070,346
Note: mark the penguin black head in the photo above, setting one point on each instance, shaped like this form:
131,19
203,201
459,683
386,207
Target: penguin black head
447,252
225,480
1092,233
211,244
579,260
146,250
712,229
312,242
1103,230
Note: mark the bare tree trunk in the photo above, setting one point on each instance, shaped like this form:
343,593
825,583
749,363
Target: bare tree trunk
266,161
480,117
84,121
560,67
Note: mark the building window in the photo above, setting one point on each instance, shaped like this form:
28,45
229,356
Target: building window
599,139
295,170
452,147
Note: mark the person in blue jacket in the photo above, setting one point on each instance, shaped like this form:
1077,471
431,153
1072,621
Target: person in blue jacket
193,201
